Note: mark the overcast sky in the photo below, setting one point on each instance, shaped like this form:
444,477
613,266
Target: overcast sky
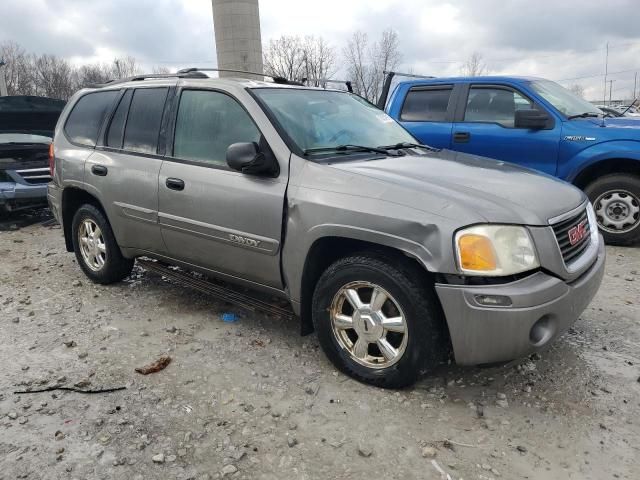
557,39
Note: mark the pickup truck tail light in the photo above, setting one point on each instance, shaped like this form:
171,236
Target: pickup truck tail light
52,160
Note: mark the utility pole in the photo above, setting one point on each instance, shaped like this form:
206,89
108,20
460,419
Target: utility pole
610,90
3,80
606,71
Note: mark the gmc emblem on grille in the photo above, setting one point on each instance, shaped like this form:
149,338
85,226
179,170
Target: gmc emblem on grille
577,233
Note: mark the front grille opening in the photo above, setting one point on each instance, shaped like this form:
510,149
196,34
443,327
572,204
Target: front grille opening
564,235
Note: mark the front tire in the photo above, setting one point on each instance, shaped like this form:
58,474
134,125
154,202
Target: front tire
95,247
616,201
378,320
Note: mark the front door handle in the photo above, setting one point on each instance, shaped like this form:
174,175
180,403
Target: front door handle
174,183
461,137
99,170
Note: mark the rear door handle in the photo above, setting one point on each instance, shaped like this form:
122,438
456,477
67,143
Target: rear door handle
461,137
174,183
99,170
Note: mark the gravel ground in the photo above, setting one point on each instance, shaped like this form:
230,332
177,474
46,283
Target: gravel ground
253,399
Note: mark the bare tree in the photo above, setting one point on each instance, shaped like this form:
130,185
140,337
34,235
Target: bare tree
359,68
319,61
124,67
160,69
366,63
577,89
53,77
284,57
474,66
92,74
17,70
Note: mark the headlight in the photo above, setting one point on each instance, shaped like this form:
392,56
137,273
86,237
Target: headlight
495,250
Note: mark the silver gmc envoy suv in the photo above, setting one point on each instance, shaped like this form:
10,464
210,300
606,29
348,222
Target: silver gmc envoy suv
394,252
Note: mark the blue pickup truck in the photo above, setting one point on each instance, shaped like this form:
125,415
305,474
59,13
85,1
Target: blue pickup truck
535,123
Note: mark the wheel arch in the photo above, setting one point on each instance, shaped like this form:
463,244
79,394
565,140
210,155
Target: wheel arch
72,199
326,250
604,167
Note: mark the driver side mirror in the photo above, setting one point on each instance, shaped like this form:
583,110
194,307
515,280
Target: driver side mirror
531,119
246,157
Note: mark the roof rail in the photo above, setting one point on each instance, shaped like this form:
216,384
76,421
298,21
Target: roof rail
321,81
146,76
275,78
382,101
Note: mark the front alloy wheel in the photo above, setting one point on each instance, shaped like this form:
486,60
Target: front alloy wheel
369,324
378,320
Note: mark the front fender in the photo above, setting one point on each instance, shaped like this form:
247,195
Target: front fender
614,149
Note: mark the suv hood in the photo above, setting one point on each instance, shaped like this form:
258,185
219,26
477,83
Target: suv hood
455,185
30,115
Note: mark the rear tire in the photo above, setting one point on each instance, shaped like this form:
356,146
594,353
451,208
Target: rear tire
408,296
95,247
616,200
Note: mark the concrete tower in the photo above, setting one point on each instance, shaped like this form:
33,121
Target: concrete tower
236,24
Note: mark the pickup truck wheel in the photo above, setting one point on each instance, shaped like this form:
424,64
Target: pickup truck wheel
616,201
95,247
377,321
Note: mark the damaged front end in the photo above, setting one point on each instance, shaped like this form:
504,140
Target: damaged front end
26,130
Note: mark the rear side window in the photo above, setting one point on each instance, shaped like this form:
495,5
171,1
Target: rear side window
116,129
144,119
429,105
208,122
85,120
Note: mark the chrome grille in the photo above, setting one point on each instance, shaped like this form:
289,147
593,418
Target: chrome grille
35,176
561,229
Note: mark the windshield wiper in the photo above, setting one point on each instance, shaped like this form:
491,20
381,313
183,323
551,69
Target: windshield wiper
346,148
400,145
584,115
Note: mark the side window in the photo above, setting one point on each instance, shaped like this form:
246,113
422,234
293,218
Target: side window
207,123
144,119
85,120
116,129
428,105
494,105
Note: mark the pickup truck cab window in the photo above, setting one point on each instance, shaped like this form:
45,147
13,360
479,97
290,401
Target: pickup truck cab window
494,105
426,105
207,123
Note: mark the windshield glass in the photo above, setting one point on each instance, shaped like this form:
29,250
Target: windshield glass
562,99
327,119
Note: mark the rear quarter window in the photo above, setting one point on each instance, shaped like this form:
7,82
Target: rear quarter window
84,122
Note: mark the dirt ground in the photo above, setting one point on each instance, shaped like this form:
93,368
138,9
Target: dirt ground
253,399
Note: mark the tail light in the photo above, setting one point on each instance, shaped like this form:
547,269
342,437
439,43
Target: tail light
52,160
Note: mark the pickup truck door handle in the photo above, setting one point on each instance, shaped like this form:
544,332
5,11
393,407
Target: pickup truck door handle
174,183
461,137
99,170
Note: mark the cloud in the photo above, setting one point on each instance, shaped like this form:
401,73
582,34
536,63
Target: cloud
547,38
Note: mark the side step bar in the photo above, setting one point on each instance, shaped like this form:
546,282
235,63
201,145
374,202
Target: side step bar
222,293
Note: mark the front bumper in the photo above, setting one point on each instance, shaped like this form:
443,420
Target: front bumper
542,302
15,196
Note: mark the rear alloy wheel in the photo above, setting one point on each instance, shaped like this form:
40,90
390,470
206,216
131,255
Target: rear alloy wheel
378,319
616,201
95,247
